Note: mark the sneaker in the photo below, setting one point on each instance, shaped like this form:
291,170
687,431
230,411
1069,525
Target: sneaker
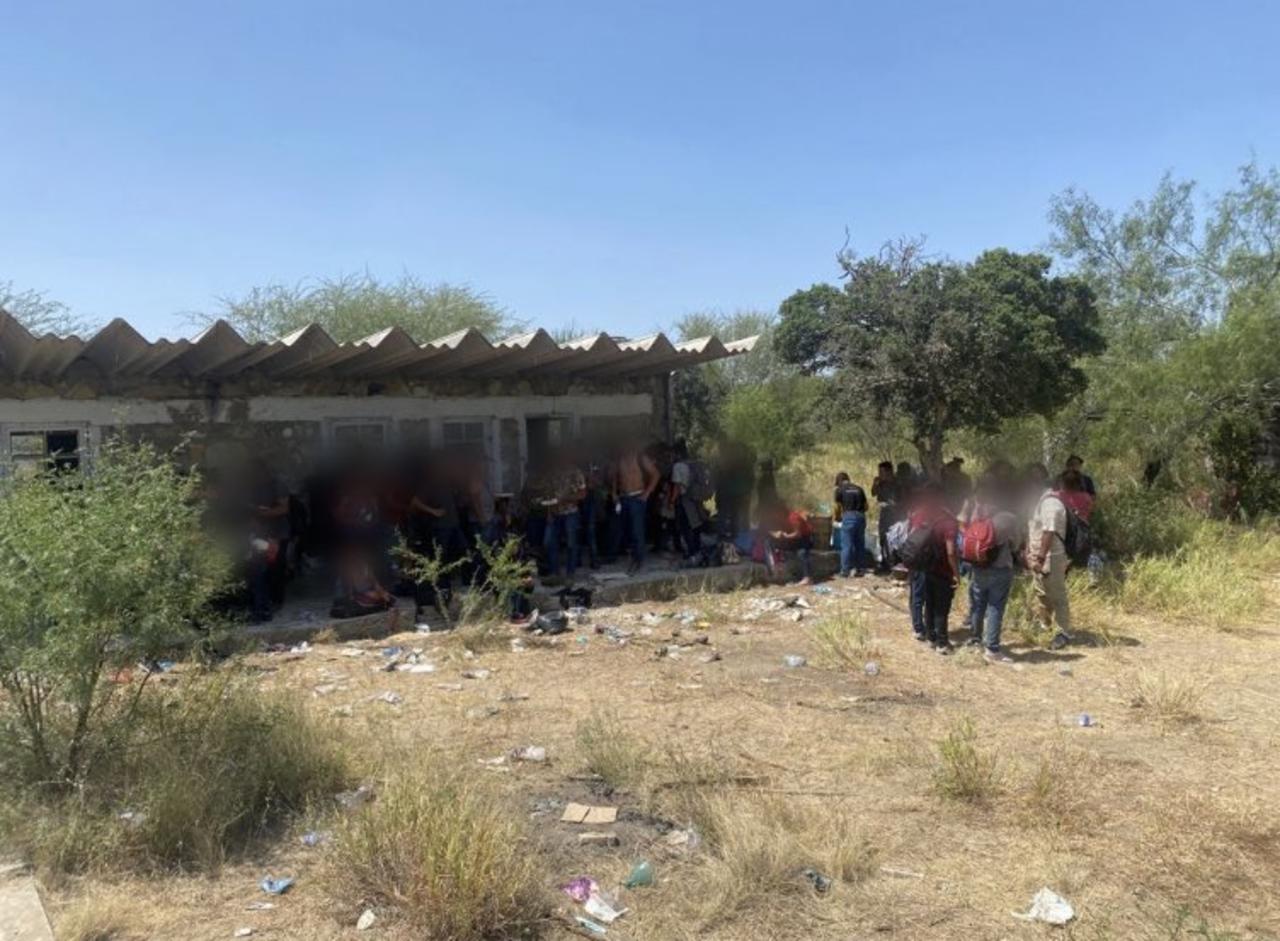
973,642
1060,640
919,637
943,649
997,656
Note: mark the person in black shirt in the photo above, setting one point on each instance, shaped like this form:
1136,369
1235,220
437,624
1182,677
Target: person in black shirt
851,505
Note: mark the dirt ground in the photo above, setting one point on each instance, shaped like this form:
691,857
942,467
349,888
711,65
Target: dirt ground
1132,819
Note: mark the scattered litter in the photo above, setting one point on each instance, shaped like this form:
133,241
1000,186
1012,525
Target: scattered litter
584,813
796,616
343,712
275,886
794,660
616,634
534,753
580,889
1064,671
641,875
482,712
302,647
598,838
1085,720
682,839
799,602
551,623
651,619
388,697
602,908
901,873
476,674
260,906
416,667
392,652
1049,907
823,590
366,920
593,926
493,762
352,652
451,687
821,884
316,837
509,696
872,668
578,615
688,686
134,818
242,933
711,657
353,799
324,689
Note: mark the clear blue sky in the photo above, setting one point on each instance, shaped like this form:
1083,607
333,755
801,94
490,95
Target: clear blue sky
613,164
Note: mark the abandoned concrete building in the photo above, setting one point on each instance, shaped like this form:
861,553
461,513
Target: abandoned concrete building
295,399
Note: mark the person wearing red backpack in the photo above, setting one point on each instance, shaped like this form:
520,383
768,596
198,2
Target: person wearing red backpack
940,572
991,541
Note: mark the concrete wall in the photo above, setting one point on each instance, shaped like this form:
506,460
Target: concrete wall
293,426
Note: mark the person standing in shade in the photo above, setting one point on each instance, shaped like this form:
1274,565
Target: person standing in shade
990,583
888,497
942,575
850,501
568,487
635,475
1076,463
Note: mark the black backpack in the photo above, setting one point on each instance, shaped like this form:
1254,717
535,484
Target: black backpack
920,550
1079,539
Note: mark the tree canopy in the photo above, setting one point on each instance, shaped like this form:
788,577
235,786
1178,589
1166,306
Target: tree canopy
355,306
40,313
944,345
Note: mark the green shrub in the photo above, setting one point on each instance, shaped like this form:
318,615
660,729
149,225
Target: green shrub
209,765
97,571
845,642
610,752
446,851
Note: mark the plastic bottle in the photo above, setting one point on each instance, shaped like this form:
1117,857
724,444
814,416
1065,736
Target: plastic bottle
641,875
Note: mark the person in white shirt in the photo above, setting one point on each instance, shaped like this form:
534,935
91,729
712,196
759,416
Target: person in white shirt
1047,560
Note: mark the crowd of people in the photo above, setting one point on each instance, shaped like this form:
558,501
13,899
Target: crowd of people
948,528
596,506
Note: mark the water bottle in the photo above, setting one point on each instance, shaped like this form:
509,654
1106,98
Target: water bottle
1096,562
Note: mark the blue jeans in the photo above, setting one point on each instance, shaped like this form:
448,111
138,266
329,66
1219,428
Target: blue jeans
916,583
566,525
589,508
988,594
853,543
632,518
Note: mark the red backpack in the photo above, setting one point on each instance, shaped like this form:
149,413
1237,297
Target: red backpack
978,546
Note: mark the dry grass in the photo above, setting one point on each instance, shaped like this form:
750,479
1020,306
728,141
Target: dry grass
1172,699
965,770
845,642
611,753
104,916
442,851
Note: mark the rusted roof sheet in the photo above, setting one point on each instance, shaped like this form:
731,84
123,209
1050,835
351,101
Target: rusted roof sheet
118,350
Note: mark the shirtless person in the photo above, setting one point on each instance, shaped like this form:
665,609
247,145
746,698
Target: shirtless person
634,477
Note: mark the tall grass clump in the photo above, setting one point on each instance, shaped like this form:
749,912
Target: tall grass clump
1168,698
964,771
210,765
610,752
445,851
845,642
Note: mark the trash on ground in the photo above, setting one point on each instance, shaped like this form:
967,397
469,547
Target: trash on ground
711,657
352,652
641,875
451,687
260,906
509,696
682,839
534,753
592,926
794,660
316,837
366,920
1064,671
275,886
603,908
242,932
1049,907
392,652
872,668
585,813
480,674
821,884
1085,720
353,799
134,818
901,873
823,590
580,889
598,838
416,667
388,697
482,712
551,623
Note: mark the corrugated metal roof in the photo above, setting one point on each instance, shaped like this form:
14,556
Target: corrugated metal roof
118,350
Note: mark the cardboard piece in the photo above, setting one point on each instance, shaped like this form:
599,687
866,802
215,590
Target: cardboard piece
583,813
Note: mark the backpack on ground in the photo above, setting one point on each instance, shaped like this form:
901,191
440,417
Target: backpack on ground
978,545
701,486
920,549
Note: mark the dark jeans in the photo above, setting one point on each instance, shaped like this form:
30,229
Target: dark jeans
915,581
801,546
519,604
690,543
562,525
732,514
589,509
988,595
630,526
888,516
258,577
938,593
853,542
452,545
